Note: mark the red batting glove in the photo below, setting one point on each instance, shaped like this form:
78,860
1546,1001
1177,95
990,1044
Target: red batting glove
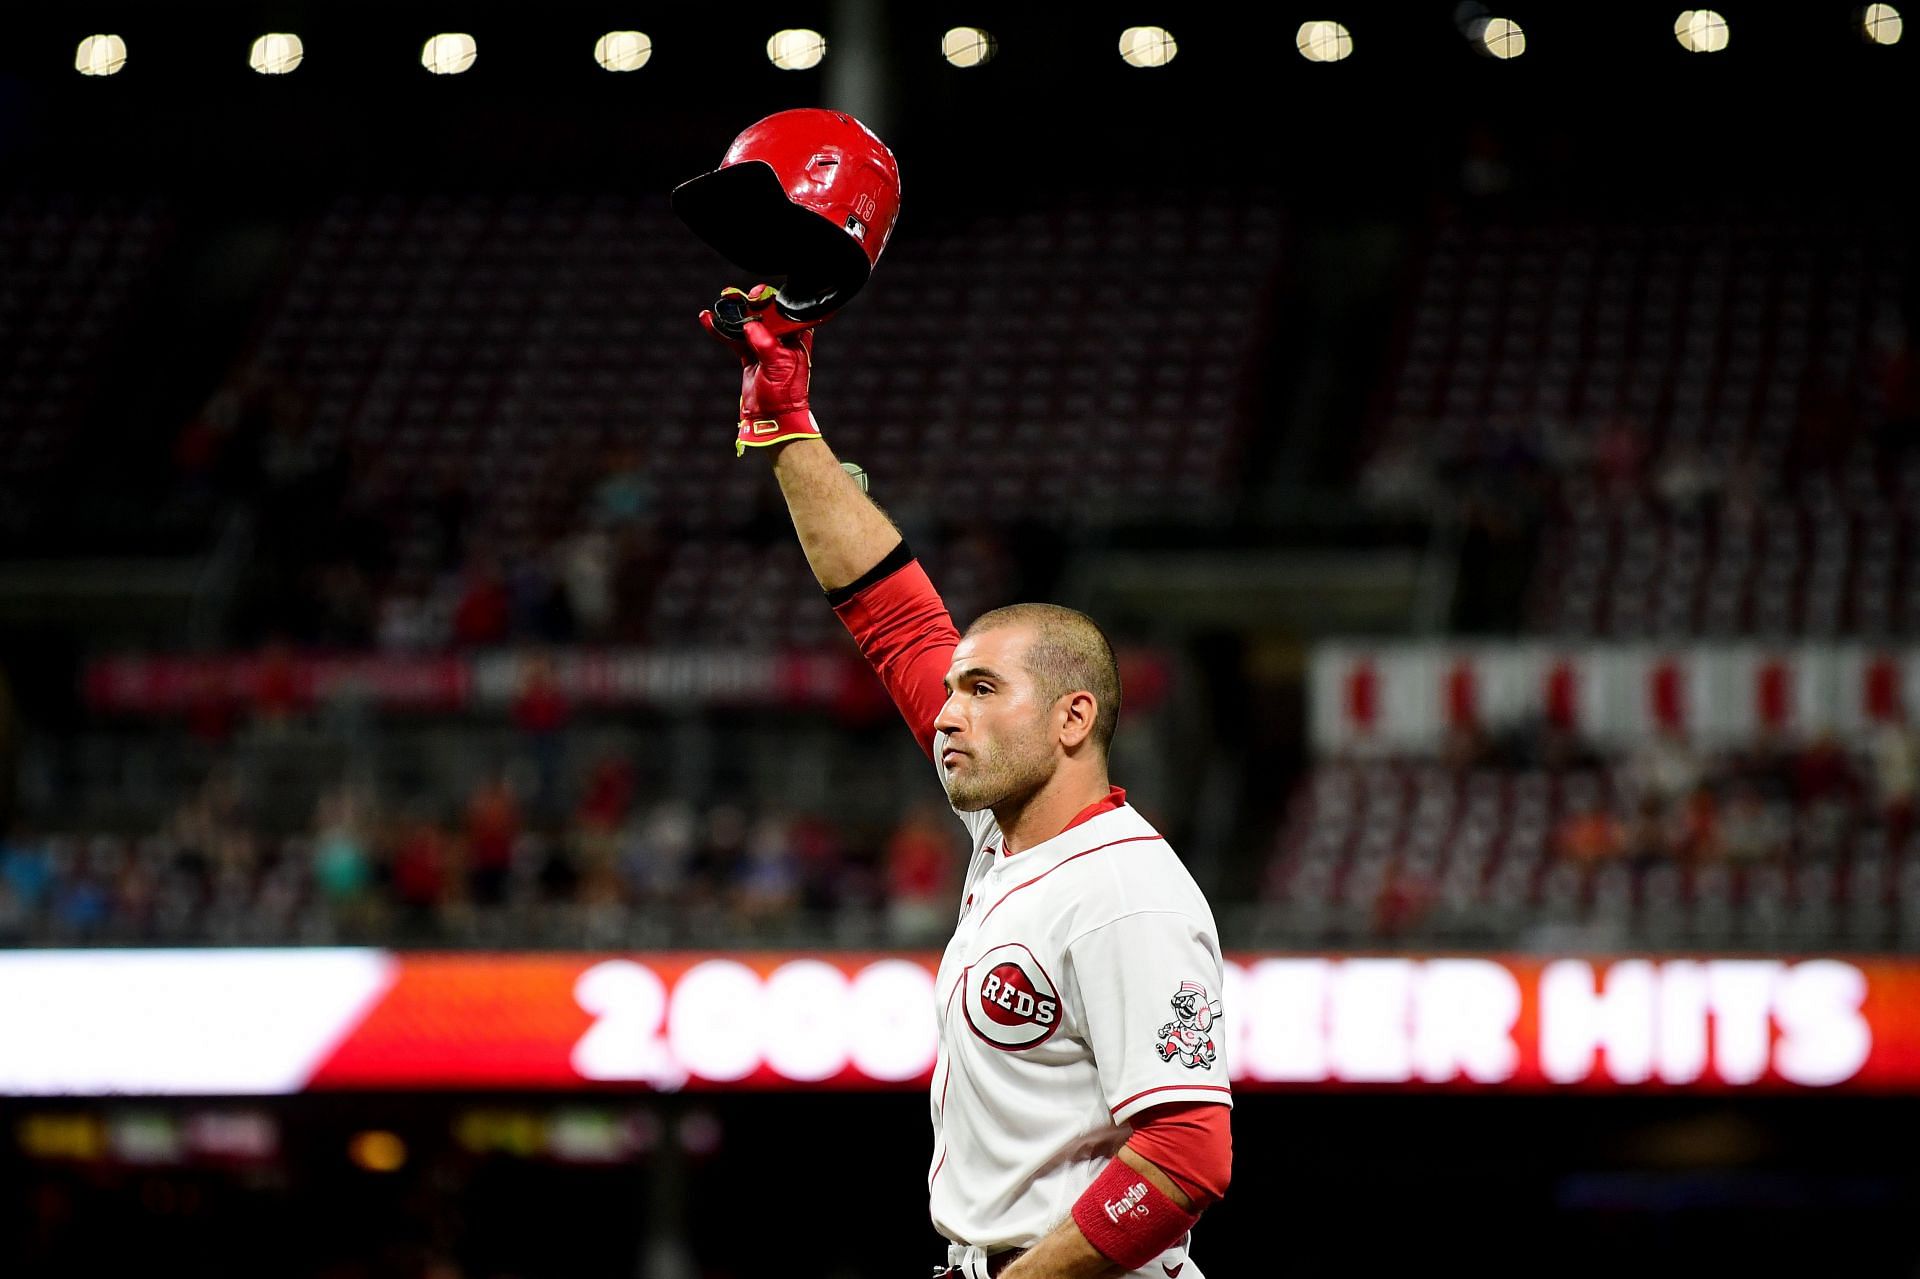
774,377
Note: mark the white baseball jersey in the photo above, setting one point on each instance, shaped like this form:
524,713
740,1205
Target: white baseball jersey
1080,988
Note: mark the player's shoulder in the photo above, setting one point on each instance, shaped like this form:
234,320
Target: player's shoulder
1125,866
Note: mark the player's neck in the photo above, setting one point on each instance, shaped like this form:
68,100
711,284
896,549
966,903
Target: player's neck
1045,812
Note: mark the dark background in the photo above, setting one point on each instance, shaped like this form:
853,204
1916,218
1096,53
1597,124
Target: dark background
823,1185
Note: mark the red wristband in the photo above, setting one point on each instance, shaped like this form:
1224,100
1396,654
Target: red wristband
796,424
1127,1220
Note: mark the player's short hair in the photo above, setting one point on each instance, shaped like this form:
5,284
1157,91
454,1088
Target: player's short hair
1069,654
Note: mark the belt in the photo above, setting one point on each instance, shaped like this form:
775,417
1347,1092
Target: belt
968,1262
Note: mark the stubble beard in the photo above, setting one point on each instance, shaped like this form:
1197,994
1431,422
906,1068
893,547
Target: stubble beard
997,776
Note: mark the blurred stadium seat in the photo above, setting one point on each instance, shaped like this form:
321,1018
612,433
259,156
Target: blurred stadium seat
72,266
1708,417
525,370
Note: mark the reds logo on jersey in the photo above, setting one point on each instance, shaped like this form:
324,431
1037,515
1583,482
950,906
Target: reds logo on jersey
1011,1002
1189,1035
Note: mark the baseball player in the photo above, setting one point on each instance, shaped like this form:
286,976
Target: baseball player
1080,1098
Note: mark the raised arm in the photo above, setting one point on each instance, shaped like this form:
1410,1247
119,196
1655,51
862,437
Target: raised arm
841,531
874,584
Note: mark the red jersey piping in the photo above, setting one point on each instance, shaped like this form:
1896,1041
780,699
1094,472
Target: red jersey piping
1114,1110
1114,798
1131,839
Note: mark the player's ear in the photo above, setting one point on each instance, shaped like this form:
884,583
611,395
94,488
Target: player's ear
1078,710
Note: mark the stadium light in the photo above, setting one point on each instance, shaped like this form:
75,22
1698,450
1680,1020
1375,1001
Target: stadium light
100,55
1148,46
449,53
968,46
623,50
1701,31
1324,42
1881,24
276,53
1503,38
797,49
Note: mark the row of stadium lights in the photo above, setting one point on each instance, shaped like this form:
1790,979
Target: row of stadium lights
1705,31
799,49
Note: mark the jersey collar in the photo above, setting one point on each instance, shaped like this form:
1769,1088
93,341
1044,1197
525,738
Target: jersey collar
1115,798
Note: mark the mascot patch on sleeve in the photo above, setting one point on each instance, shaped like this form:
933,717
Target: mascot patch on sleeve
1189,1036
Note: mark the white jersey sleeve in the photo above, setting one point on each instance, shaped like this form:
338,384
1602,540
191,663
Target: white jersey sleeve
1146,989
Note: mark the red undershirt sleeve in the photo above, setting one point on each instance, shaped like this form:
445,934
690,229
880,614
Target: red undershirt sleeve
1192,1143
904,631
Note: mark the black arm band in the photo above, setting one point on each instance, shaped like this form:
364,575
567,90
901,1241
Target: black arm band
892,562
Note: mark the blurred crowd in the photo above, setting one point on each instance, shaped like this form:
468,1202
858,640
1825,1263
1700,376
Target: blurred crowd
1507,839
339,553
1767,804
616,870
340,558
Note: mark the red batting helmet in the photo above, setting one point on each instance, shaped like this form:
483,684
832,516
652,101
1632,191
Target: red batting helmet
809,195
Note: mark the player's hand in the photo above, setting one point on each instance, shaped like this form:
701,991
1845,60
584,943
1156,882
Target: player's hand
783,369
756,298
775,375
741,350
